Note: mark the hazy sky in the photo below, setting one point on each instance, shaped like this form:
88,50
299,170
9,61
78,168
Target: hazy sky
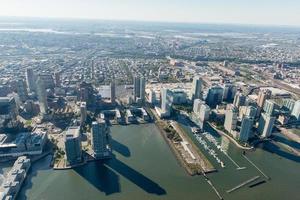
278,12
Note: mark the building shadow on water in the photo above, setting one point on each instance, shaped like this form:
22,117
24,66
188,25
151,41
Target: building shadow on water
104,175
100,176
281,139
120,148
273,148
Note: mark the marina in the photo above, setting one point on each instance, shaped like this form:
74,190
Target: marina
209,150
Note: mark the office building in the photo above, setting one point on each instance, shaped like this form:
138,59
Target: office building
166,100
142,89
197,105
48,80
196,91
229,92
231,118
246,129
269,107
83,113
73,145
204,113
239,100
30,80
289,104
8,112
296,110
249,111
265,125
179,97
100,140
113,92
57,79
87,94
262,97
152,97
214,96
139,85
22,90
42,96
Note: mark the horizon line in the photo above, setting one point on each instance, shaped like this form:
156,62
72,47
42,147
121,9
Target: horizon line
150,21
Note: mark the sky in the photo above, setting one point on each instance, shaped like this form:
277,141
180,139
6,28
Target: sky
264,12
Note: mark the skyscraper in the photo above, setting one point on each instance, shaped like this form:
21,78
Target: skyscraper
166,101
42,96
73,145
139,89
296,110
57,79
113,92
100,140
152,97
265,125
87,94
269,107
231,119
197,106
142,89
30,79
22,90
229,92
83,113
246,129
214,96
196,90
136,87
289,104
204,113
239,100
263,96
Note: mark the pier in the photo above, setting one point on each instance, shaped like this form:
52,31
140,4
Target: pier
243,184
267,177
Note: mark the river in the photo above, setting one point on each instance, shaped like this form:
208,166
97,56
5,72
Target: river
145,168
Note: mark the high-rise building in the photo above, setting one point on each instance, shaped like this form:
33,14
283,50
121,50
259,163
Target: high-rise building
57,79
231,118
142,89
249,111
166,101
246,129
139,89
48,80
22,90
30,79
83,113
204,113
239,100
42,96
8,112
269,107
229,92
73,145
197,106
214,96
87,94
263,96
136,87
296,110
289,104
100,140
265,125
196,90
113,92
152,97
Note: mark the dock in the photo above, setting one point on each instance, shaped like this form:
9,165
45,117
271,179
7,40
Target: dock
243,184
267,177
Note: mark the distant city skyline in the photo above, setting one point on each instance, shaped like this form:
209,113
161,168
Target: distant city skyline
267,12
